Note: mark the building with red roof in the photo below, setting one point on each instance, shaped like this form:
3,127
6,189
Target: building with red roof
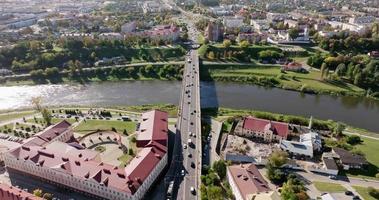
247,182
269,131
72,166
293,66
152,128
12,193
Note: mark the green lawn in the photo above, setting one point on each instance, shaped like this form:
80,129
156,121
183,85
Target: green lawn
15,115
370,148
92,125
6,127
289,80
329,187
363,192
126,158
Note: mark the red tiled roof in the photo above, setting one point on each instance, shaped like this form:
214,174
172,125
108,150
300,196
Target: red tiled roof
248,179
48,134
12,193
85,164
153,128
261,125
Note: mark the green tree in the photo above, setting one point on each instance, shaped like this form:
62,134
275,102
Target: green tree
341,70
244,44
47,196
215,193
358,79
324,68
293,33
46,115
277,158
220,168
37,192
339,128
353,139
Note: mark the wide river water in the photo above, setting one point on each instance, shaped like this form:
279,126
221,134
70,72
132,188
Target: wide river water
359,112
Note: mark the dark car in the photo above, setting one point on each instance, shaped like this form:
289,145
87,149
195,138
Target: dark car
349,193
356,198
192,164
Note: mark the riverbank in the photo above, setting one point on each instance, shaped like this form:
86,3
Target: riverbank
137,71
272,76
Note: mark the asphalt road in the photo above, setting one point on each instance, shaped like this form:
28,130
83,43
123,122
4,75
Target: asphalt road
189,153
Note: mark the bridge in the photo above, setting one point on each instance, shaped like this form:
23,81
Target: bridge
185,168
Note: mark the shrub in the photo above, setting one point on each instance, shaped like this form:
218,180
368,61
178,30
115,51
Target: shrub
373,192
130,152
134,140
114,129
353,139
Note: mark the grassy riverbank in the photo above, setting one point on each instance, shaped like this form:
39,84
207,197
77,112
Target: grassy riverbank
159,71
271,76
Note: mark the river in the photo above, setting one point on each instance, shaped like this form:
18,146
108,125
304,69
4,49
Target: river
359,112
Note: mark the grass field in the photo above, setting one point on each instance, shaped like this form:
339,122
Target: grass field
126,158
15,115
364,193
92,125
289,80
369,147
329,187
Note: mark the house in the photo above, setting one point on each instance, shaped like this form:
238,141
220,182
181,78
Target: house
247,182
293,67
233,22
214,31
251,37
267,130
306,146
349,160
330,166
13,193
260,24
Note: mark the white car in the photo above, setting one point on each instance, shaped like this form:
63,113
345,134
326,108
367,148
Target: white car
183,173
185,146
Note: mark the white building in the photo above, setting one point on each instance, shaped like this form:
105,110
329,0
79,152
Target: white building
307,144
260,25
233,22
111,36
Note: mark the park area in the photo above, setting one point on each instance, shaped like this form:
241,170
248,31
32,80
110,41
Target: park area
271,75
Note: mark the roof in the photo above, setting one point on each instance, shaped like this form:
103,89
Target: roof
294,65
248,179
262,125
304,148
348,158
49,134
330,163
153,126
12,193
86,164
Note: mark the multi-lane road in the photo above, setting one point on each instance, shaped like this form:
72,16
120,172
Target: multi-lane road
188,127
